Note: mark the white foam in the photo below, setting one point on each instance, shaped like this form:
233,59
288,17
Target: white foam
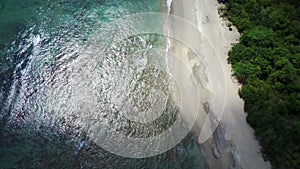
168,27
36,39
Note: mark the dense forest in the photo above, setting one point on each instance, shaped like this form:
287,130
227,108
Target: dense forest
267,61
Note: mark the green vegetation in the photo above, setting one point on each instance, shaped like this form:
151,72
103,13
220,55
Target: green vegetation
267,62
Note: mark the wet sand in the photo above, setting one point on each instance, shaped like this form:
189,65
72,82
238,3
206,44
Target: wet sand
233,144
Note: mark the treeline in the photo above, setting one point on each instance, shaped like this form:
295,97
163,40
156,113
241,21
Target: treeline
267,62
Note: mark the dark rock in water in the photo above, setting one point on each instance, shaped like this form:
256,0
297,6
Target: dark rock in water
181,150
206,107
223,1
221,143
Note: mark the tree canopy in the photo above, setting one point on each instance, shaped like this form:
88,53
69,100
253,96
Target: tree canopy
266,62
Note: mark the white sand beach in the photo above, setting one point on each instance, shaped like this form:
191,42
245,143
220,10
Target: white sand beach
233,144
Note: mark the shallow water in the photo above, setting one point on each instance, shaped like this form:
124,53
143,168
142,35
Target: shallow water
53,89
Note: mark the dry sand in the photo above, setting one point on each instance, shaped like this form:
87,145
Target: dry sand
233,144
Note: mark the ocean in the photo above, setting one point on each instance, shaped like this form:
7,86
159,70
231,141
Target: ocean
59,92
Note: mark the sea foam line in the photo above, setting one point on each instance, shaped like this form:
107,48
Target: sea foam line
168,27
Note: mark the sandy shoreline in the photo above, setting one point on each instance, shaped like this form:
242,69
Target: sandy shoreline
233,144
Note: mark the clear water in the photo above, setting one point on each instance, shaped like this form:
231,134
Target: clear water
50,91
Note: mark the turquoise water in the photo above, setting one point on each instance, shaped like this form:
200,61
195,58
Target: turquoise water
50,92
